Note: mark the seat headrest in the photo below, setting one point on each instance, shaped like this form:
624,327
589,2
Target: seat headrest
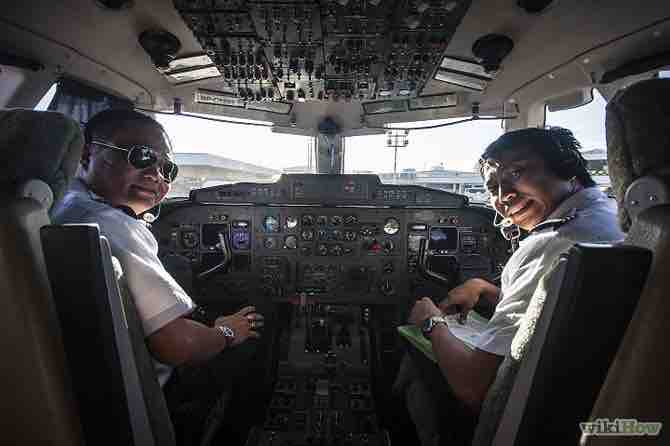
638,136
36,145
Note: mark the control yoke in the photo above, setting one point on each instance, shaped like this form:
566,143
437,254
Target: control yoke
224,246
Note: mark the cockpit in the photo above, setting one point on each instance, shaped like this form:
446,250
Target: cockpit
319,183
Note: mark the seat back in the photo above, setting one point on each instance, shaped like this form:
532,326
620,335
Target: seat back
113,377
38,155
562,352
638,145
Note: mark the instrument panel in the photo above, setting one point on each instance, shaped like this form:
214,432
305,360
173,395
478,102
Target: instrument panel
277,51
338,254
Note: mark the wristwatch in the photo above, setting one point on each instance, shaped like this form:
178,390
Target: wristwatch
227,333
430,323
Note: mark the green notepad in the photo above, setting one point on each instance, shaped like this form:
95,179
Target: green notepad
414,335
468,333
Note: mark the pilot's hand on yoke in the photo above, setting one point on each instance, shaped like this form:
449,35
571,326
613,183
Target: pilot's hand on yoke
422,310
244,324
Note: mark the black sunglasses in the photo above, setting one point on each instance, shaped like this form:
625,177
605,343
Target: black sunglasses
141,157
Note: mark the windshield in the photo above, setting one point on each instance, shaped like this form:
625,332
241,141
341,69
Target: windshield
443,158
213,153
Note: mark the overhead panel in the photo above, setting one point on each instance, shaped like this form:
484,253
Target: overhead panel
355,50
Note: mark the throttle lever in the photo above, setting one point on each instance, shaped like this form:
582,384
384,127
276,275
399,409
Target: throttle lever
224,246
423,267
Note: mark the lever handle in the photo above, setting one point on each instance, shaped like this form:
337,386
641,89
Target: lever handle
224,246
423,266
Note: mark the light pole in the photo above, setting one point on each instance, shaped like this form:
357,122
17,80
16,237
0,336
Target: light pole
395,139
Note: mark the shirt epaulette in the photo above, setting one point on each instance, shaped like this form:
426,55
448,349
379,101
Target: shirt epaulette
553,224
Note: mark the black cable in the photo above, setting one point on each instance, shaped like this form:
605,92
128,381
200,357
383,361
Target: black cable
447,124
258,124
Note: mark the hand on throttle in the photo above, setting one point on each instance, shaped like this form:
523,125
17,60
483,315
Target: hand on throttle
244,324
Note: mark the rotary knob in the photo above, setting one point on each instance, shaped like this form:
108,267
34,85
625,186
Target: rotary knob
387,288
367,232
349,236
291,242
350,220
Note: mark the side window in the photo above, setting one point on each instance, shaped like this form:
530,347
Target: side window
10,80
587,122
43,104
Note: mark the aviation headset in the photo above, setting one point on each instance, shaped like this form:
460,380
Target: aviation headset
559,149
557,146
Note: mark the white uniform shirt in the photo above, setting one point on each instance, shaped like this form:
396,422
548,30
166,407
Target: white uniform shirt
158,297
594,220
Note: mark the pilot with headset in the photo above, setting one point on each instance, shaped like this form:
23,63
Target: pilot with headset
126,169
538,183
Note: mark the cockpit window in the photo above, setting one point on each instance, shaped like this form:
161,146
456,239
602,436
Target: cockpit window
588,125
43,104
212,153
443,158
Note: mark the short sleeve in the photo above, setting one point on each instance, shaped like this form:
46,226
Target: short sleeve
535,260
158,297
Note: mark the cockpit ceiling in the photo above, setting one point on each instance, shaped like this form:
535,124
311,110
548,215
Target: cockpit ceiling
364,63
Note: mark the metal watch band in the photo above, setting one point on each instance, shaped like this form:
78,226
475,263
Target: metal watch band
430,323
227,332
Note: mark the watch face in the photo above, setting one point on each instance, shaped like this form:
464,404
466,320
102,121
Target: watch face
427,326
228,332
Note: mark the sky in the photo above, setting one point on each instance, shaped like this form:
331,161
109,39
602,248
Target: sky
457,147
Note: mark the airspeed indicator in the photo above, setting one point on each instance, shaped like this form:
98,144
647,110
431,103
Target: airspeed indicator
392,226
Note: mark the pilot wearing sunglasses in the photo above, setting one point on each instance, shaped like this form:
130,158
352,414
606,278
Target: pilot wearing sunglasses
126,169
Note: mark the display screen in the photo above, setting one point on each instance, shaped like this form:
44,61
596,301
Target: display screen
241,240
443,240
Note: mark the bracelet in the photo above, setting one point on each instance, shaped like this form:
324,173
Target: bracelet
227,332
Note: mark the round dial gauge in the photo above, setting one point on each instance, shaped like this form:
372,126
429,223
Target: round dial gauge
392,226
271,224
350,220
270,243
291,242
291,222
